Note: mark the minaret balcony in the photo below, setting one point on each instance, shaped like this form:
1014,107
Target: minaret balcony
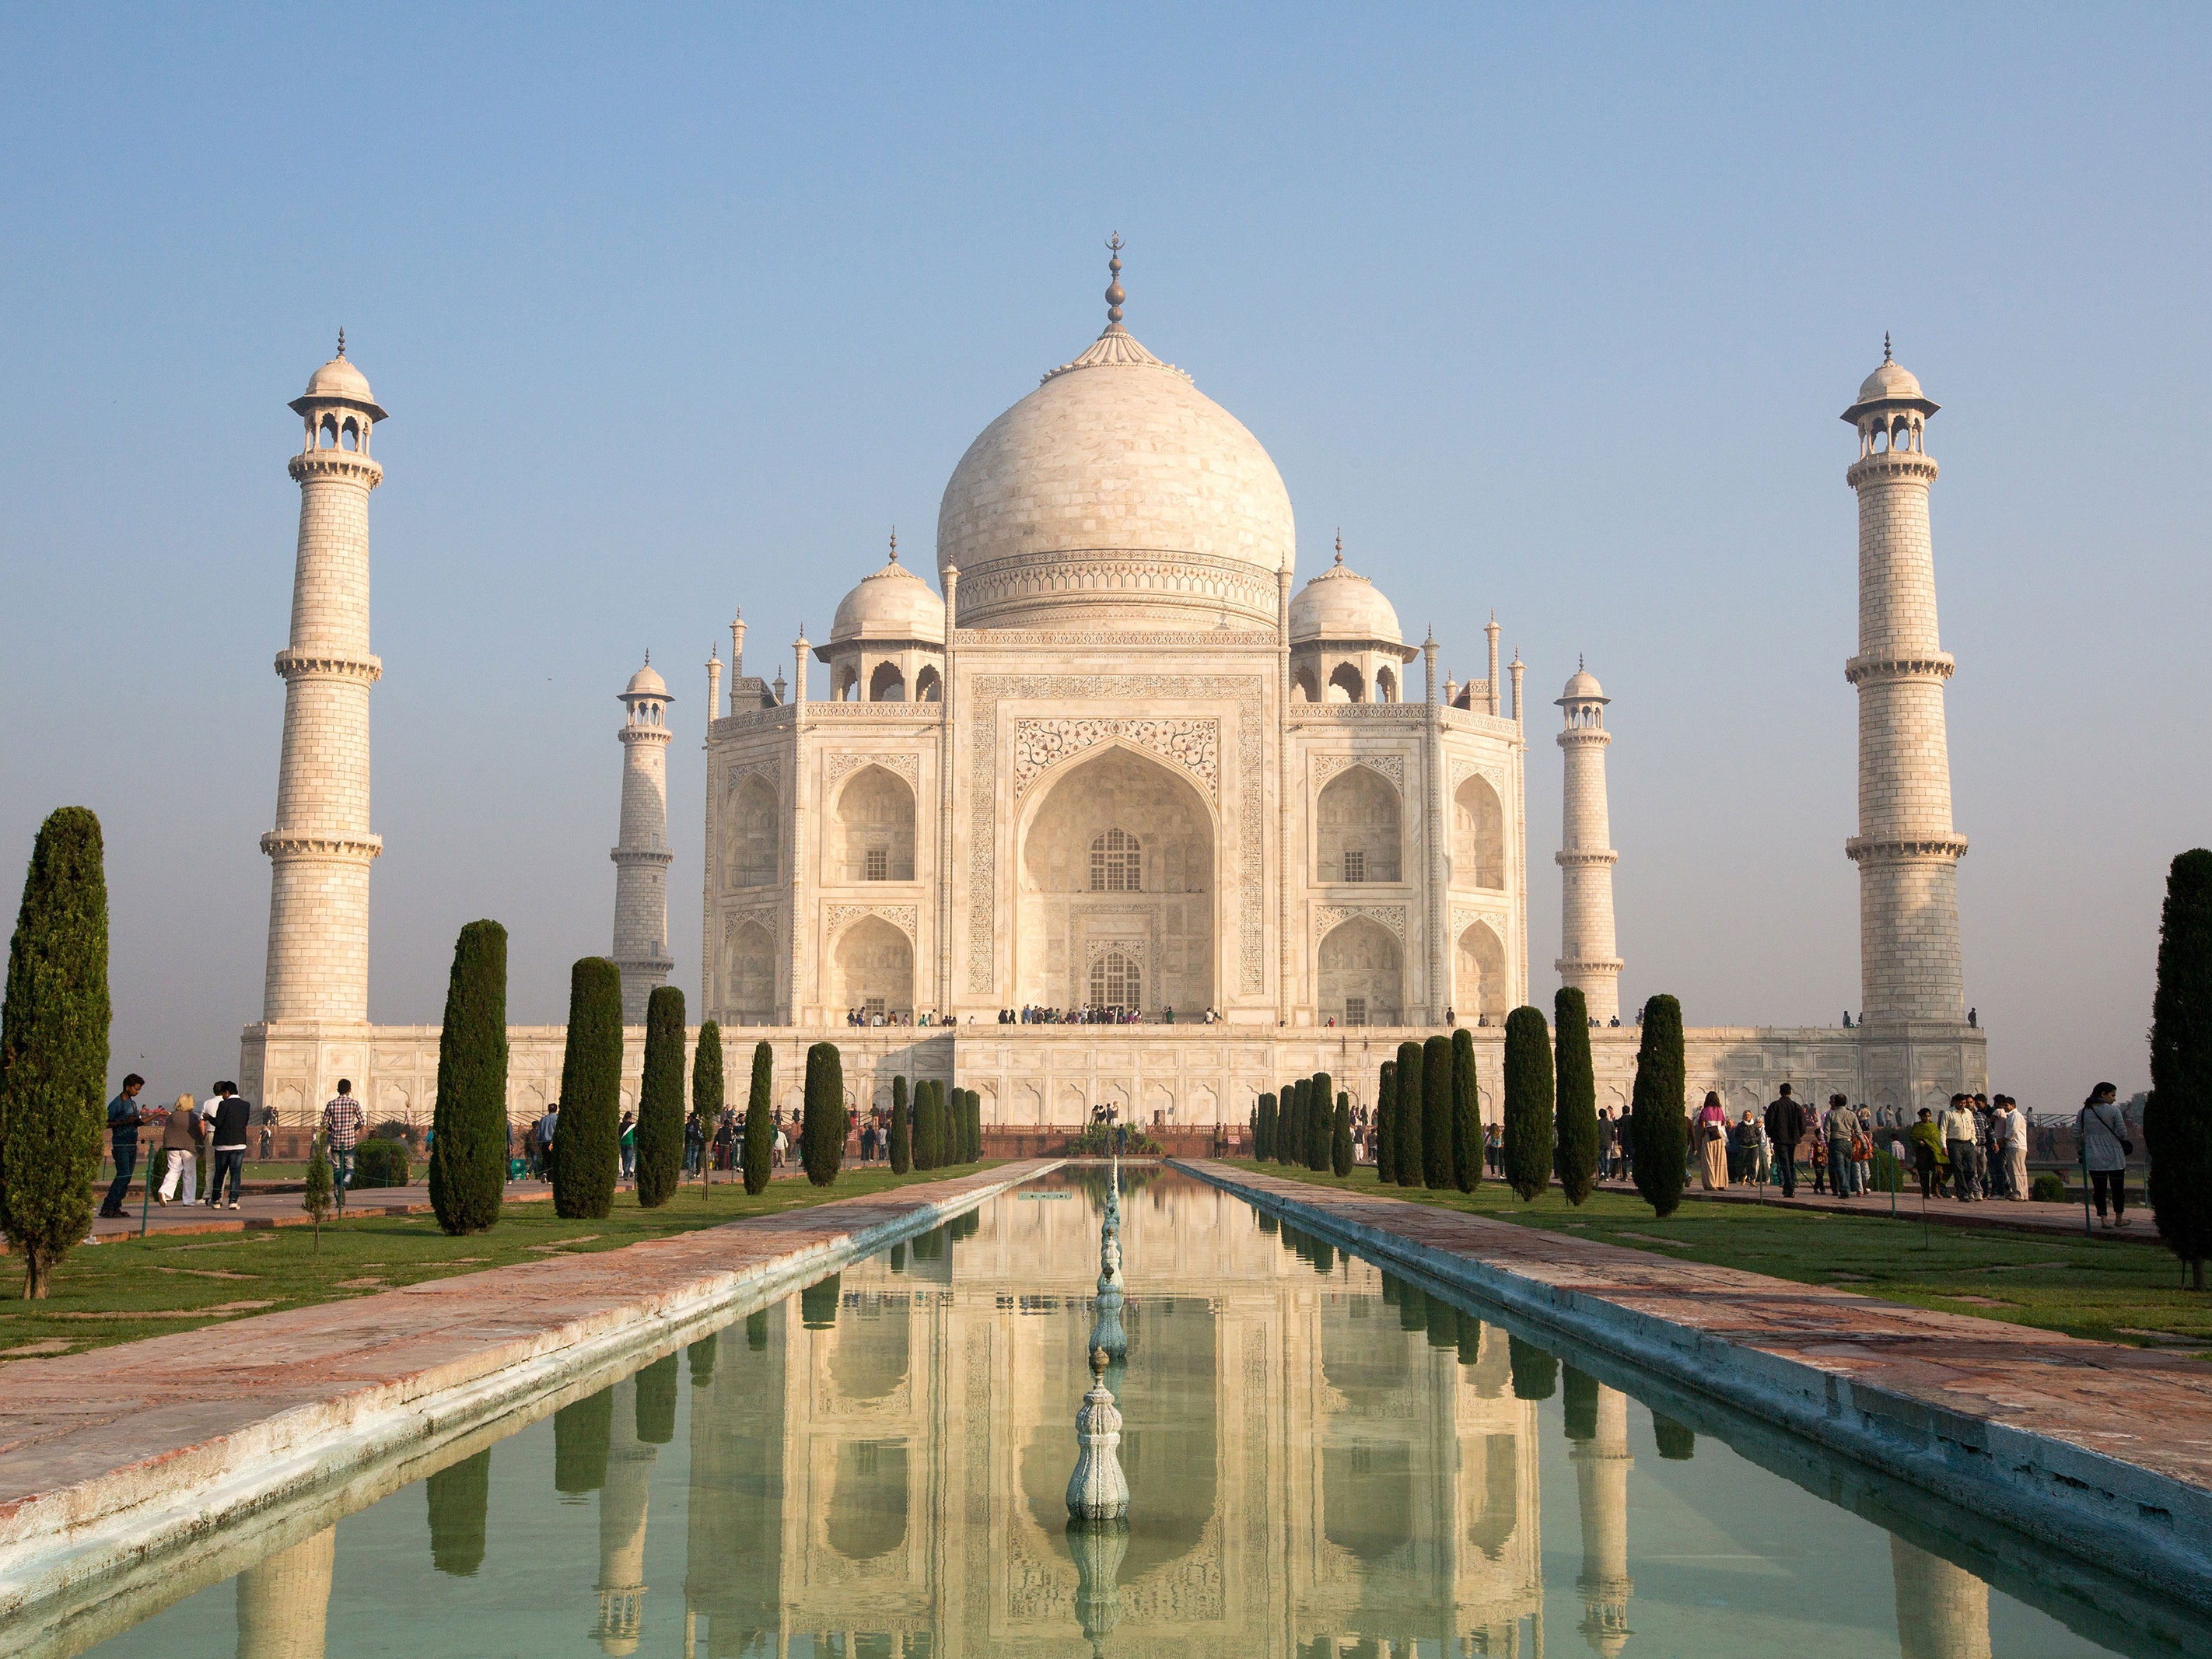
329,665
1925,666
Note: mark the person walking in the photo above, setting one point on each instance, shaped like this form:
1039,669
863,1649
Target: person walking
1842,1123
181,1139
1785,1127
342,1120
226,1140
1928,1160
2015,1130
1959,1142
2105,1148
626,1139
124,1118
1709,1133
1863,1148
1743,1148
542,1133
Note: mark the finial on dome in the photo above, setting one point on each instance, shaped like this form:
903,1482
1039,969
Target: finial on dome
1885,345
1339,544
648,659
894,544
341,341
1581,662
1115,295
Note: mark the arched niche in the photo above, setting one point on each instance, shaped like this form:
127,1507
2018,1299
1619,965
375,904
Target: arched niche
1490,1486
1386,685
872,1354
749,976
1304,687
868,1498
871,828
1478,835
872,969
749,834
887,684
1479,973
1357,838
1367,1498
1360,974
1149,895
928,686
1345,684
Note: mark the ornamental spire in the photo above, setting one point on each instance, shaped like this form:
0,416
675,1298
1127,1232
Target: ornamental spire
1115,295
341,342
1885,345
894,543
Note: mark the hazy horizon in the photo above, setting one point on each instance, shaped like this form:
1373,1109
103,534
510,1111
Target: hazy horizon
1552,312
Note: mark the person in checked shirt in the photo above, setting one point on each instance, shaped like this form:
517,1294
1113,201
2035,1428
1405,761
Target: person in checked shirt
342,1120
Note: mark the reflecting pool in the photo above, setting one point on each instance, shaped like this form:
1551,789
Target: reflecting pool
1322,1459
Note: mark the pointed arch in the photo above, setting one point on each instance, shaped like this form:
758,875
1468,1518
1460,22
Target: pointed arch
751,841
1479,984
1478,835
1358,837
1359,977
872,827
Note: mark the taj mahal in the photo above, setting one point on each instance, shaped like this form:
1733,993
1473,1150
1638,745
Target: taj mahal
1118,759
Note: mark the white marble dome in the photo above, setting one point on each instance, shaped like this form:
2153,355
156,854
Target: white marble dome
1340,604
646,682
1115,489
890,604
1583,687
1891,381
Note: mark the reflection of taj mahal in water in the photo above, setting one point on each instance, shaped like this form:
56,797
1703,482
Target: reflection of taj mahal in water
878,1468
1123,763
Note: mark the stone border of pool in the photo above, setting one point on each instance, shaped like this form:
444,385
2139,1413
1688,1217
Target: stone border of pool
2101,1451
110,1458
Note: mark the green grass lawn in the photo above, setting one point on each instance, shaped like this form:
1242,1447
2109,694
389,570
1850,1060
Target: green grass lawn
140,1287
2103,1288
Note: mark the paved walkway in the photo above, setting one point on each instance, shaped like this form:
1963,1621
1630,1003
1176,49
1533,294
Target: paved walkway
282,1209
106,1455
2052,1432
2024,1215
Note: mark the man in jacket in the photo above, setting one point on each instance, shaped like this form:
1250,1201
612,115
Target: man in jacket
226,1139
1959,1142
1842,1168
1785,1127
123,1121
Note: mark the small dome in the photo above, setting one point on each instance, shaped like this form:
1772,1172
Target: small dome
646,682
1583,688
340,378
890,604
1891,381
1340,604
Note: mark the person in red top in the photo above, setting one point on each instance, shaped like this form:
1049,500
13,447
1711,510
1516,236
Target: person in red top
342,1120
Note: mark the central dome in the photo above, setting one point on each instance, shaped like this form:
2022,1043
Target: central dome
1116,491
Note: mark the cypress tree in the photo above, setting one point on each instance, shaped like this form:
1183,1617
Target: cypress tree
1340,1136
460,1499
1263,1132
817,1304
760,1121
1528,1102
1290,1127
1577,1094
708,1092
956,1125
1467,1113
1678,1442
822,1140
1436,1114
757,1332
902,1130
656,1399
701,1356
316,1199
468,1147
53,1047
1386,1124
582,1431
972,1126
1320,1121
585,1155
1581,1390
1535,1371
1655,1118
1412,1136
661,1100
2178,1121
925,1128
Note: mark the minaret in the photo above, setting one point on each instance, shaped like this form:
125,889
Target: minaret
1907,852
1601,1466
284,1601
642,856
1586,857
321,848
623,1502
1942,1610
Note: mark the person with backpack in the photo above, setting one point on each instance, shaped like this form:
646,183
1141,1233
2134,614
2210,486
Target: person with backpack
2103,1128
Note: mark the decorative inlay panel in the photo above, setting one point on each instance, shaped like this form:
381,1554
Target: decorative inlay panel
1329,917
834,767
1392,767
1464,916
1193,744
990,689
1463,770
838,917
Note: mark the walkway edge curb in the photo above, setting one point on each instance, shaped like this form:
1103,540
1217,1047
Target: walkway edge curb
2132,1522
57,1542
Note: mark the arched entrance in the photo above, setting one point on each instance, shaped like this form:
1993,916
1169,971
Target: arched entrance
1361,980
1478,973
1116,889
873,970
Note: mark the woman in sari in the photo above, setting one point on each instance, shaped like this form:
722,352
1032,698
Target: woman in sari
1708,1138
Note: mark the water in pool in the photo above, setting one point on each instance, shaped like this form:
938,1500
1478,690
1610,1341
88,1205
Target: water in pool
1322,1459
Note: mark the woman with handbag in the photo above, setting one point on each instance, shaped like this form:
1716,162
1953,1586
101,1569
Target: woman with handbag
1710,1131
2105,1148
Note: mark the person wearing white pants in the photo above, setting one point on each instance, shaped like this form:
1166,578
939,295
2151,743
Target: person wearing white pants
181,1139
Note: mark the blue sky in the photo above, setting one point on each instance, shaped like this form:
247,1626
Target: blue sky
1552,310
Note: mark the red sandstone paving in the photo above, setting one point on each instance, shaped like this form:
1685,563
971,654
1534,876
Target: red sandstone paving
72,1418
2137,1405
